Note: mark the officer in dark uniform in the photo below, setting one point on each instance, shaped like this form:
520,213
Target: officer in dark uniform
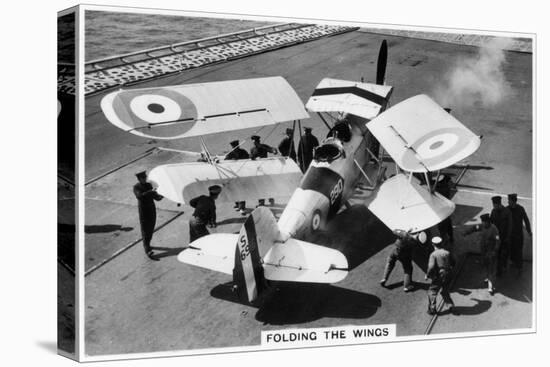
402,251
489,248
308,142
445,227
440,265
516,238
204,214
502,219
236,152
260,150
286,146
146,196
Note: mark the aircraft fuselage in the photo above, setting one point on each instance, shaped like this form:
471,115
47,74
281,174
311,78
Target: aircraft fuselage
328,183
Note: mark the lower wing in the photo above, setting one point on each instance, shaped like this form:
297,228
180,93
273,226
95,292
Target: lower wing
240,179
403,204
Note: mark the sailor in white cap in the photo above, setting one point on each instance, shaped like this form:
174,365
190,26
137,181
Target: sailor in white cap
440,265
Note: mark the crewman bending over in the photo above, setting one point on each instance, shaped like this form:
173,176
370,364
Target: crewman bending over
236,152
204,214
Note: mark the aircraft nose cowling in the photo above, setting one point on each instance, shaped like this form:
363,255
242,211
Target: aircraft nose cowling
305,211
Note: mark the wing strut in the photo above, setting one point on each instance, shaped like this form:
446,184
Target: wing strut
408,146
325,121
363,173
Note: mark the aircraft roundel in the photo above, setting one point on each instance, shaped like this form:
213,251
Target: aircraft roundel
316,220
437,146
156,113
155,108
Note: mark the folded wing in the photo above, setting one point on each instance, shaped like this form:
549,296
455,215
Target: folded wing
365,100
240,179
421,136
199,109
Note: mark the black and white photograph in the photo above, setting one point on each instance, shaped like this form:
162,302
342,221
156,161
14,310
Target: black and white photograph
253,183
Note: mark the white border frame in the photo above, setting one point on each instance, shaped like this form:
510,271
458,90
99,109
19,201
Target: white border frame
80,311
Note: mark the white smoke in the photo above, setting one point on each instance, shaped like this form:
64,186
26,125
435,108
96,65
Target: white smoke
477,80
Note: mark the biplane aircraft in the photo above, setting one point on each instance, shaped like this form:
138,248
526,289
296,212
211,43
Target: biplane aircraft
418,134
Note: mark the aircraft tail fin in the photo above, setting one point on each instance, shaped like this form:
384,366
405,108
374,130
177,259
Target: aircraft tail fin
258,234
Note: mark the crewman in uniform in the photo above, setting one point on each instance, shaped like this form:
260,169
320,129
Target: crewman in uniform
440,265
445,227
204,214
402,250
236,152
519,216
146,196
260,150
490,244
502,219
308,142
286,146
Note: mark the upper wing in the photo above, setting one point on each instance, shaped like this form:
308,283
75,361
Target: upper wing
361,99
421,136
403,204
200,109
240,180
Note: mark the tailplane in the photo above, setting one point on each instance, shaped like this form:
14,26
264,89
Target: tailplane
258,233
261,254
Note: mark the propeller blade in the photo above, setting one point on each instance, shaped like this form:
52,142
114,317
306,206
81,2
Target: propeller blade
382,61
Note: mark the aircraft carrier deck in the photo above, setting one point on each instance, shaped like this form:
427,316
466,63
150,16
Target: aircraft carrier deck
134,304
